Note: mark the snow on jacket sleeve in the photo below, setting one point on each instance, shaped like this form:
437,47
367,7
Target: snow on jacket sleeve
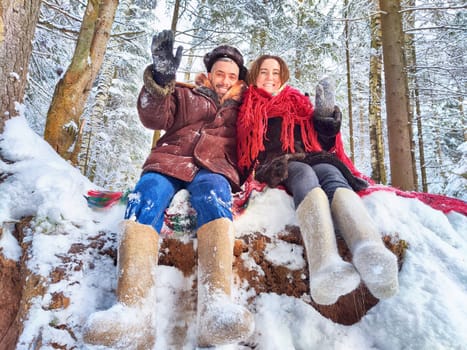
155,103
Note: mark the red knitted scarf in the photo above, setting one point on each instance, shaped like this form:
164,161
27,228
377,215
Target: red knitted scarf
258,105
295,109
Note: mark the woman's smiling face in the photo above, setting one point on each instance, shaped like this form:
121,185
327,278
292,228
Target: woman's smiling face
269,77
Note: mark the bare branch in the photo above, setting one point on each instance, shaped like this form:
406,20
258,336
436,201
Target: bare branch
58,9
433,8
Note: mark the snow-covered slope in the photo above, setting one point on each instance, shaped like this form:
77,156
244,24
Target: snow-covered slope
69,250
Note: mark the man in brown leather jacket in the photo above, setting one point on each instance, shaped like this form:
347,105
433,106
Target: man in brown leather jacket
196,152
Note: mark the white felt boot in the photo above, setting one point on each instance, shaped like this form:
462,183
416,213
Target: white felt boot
129,324
220,321
330,276
376,264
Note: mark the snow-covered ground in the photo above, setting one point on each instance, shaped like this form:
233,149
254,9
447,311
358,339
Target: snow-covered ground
429,312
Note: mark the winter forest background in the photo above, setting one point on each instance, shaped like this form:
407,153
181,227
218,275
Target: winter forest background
340,39
75,67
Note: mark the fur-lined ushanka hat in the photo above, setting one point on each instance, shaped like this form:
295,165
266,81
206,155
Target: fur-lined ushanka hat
226,51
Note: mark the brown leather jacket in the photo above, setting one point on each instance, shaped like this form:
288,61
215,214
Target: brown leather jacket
199,130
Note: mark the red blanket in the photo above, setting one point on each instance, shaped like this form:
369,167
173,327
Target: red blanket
106,199
444,203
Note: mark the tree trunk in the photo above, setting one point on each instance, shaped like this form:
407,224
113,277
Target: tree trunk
298,56
439,161
374,109
412,65
349,82
397,97
63,123
18,21
363,130
461,114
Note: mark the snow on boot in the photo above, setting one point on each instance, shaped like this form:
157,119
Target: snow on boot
330,276
220,321
129,324
376,264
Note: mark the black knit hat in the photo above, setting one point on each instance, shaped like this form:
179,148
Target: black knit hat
225,51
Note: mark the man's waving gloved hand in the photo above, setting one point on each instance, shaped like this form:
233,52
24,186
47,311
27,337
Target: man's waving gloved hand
165,64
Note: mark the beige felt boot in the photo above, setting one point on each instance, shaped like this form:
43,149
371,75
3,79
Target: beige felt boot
330,276
376,264
220,321
129,324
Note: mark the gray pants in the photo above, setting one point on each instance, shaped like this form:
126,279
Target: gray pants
303,178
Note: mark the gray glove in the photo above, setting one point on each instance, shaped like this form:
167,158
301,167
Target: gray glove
327,117
324,100
165,64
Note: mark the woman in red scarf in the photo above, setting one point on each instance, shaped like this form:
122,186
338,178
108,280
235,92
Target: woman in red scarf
286,142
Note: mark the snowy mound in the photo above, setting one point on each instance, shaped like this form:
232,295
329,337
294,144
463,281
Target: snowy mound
69,251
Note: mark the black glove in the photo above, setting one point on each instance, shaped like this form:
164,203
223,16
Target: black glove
277,170
327,128
165,65
328,125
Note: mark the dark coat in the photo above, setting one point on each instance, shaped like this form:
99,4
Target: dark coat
272,162
199,130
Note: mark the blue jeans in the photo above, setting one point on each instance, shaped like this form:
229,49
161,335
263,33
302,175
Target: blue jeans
303,178
210,196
